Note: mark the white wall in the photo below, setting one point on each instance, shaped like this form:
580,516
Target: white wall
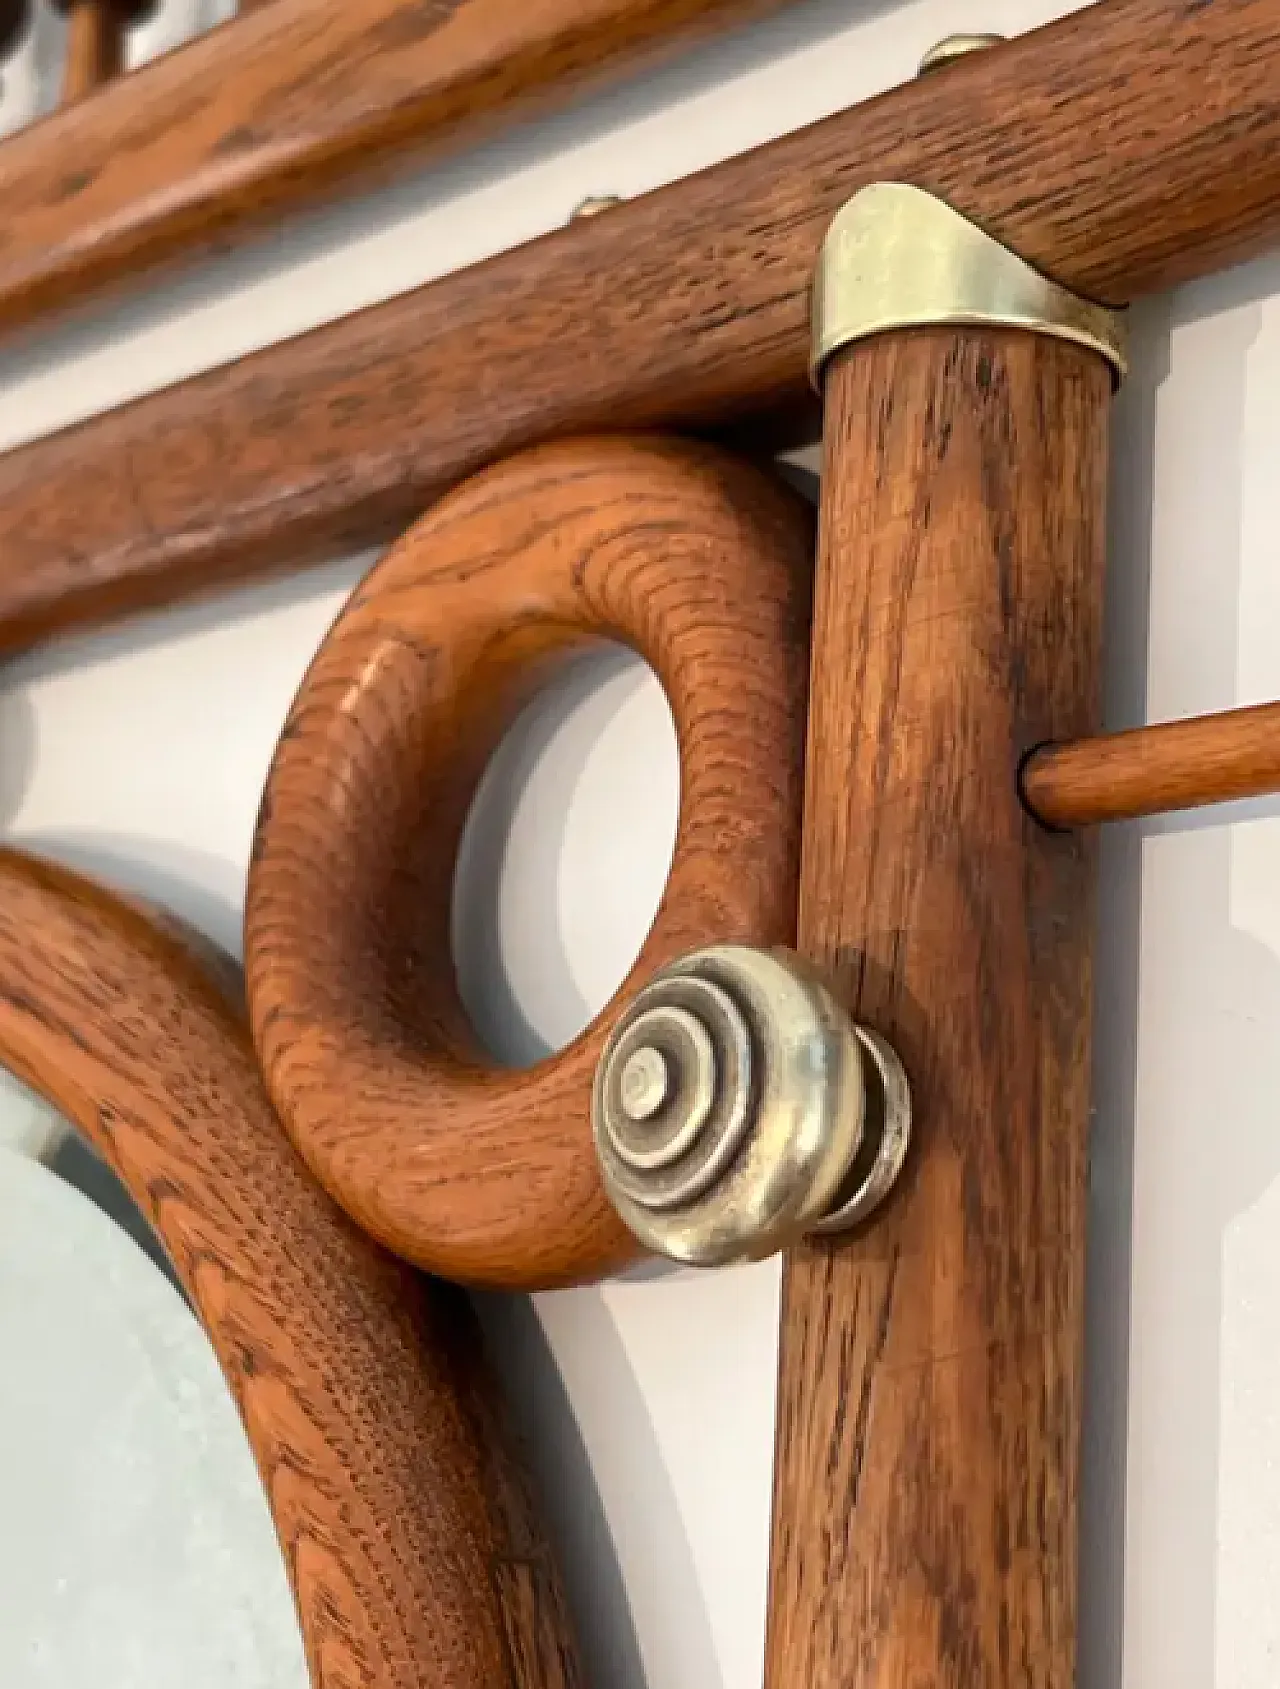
142,752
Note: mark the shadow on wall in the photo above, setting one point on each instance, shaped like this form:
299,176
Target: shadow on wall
1110,1207
531,917
217,610
566,1488
79,1165
17,751
1172,1162
175,877
571,1499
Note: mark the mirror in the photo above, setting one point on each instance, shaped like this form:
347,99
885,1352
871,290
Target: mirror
136,1540
136,1544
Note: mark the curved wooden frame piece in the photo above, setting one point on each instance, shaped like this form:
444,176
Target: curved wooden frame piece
408,1538
702,564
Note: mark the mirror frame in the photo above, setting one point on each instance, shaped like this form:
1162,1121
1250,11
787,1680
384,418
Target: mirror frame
407,1529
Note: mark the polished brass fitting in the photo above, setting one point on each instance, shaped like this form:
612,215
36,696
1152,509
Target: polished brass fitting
896,257
594,205
957,46
737,1107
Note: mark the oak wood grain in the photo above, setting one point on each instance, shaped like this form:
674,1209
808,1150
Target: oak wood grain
1152,770
286,107
406,1527
687,308
700,563
930,1389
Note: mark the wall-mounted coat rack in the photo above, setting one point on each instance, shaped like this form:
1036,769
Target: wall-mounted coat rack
946,671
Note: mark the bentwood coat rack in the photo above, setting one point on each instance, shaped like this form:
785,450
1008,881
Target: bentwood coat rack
859,1030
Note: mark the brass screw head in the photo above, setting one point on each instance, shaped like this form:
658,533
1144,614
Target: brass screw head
953,47
593,205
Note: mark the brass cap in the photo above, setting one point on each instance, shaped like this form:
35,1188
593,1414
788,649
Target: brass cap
896,257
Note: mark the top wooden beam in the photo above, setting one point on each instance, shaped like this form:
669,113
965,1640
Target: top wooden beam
284,109
1128,147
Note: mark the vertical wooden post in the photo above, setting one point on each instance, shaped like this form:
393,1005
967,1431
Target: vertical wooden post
95,46
926,1482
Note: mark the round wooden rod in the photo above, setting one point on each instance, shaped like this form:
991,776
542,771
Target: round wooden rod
930,1380
96,32
700,563
1152,770
406,1529
616,322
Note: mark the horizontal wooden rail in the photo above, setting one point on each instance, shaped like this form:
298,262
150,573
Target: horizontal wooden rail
285,108
1125,148
1153,770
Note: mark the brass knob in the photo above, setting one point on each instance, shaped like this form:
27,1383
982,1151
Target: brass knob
737,1107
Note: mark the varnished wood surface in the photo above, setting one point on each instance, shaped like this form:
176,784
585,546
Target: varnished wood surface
405,1526
281,110
94,50
1152,770
699,562
930,1389
1125,148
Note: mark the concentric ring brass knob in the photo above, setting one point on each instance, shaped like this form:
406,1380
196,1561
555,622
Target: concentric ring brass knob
737,1107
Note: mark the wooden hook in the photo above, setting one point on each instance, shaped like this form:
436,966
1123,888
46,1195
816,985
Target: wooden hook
406,1529
699,562
1152,770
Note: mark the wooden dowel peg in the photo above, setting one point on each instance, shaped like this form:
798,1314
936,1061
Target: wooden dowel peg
1153,770
930,1385
97,31
95,47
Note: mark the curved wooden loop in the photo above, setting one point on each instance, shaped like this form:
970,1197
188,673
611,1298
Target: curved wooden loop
699,562
407,1535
